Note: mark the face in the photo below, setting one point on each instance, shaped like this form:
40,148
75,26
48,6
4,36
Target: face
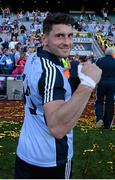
13,38
8,52
59,40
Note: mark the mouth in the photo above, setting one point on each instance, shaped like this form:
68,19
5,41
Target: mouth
65,49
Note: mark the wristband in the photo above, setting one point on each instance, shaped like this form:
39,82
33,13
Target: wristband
89,82
86,80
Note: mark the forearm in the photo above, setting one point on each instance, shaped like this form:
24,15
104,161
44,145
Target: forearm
61,116
65,116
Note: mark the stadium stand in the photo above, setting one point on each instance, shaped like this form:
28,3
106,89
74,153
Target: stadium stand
91,37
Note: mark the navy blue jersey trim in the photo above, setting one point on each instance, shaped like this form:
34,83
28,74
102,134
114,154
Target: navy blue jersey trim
51,83
61,150
33,108
45,54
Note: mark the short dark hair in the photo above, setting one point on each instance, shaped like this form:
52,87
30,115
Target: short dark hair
56,18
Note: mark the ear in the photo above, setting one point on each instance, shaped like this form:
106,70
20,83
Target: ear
44,39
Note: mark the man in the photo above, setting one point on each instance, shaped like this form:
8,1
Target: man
45,145
106,90
7,62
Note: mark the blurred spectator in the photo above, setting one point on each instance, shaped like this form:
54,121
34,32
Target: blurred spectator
5,43
1,40
6,62
12,43
105,90
15,32
20,64
89,17
22,27
16,52
22,38
94,17
1,52
81,17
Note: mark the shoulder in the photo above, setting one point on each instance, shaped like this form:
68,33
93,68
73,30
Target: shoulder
32,58
32,61
99,60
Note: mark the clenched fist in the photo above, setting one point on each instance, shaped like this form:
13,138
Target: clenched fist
89,74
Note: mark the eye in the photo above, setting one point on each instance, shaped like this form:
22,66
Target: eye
60,35
70,35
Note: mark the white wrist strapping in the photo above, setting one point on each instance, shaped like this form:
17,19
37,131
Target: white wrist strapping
85,80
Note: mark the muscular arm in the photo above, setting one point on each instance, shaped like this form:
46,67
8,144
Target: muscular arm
62,116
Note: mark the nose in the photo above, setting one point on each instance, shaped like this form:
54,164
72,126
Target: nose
67,40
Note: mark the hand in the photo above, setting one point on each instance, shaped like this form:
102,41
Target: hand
91,70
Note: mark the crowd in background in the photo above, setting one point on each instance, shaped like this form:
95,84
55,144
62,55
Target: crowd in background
20,35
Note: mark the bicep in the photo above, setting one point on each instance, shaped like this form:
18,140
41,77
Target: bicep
50,109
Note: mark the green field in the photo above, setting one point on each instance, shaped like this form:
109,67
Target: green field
94,151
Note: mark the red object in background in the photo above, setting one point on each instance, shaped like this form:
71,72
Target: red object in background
20,67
